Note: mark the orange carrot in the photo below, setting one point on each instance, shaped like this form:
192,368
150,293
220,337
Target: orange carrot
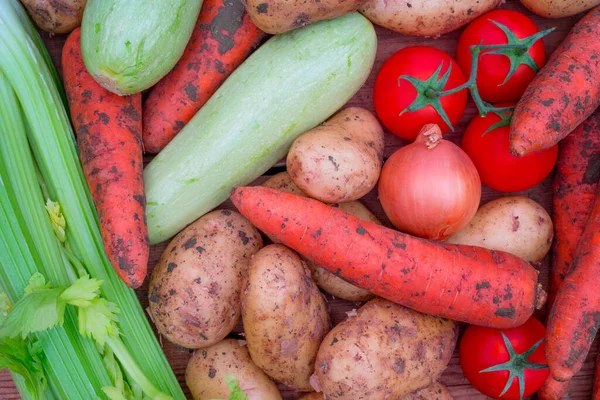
222,39
563,94
575,315
464,283
577,173
109,141
553,389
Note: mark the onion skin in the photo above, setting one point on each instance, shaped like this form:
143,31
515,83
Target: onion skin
430,188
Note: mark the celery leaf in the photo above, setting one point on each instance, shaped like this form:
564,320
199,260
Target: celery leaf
82,292
5,306
58,220
113,393
36,282
98,320
234,385
22,357
36,311
113,368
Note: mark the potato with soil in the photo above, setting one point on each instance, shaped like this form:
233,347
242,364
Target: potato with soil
283,182
437,391
515,224
56,16
326,280
285,316
279,16
312,396
386,351
195,288
559,8
208,368
340,160
426,17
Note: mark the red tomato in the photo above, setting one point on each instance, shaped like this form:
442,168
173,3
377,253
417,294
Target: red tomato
493,68
393,95
497,167
482,348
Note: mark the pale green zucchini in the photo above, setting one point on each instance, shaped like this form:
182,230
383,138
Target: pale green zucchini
291,84
129,45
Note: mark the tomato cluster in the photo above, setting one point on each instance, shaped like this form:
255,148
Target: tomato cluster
410,91
421,85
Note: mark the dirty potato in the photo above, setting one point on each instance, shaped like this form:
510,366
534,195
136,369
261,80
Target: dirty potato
326,280
56,16
559,8
285,316
436,391
426,17
385,351
195,287
279,16
284,183
340,160
515,224
312,396
207,371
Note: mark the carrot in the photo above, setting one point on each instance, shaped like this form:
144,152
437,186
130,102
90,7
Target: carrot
464,283
577,173
575,315
109,142
222,39
563,94
553,389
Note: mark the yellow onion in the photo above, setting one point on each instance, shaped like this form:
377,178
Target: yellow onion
430,188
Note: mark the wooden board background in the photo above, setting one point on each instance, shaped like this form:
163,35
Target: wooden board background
389,42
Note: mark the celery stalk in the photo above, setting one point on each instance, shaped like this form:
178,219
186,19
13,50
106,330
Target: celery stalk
17,170
25,395
37,40
51,140
61,362
17,167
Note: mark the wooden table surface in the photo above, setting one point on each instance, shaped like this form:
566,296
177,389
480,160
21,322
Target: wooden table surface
389,42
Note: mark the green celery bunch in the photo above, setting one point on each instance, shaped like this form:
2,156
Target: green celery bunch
110,355
20,258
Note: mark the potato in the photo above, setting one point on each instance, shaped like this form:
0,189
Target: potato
195,287
437,391
340,160
284,183
279,16
285,316
426,17
312,396
386,351
516,225
206,370
559,8
56,16
326,280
